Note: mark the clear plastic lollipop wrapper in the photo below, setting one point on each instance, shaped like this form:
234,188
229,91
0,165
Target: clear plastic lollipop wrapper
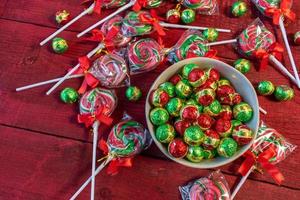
214,187
206,7
268,149
126,139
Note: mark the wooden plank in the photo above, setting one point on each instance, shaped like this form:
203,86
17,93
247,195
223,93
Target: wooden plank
34,166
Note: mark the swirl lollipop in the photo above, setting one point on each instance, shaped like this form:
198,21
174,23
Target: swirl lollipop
144,55
126,140
202,6
280,10
96,106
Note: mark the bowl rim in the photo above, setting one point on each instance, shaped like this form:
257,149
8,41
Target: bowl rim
182,161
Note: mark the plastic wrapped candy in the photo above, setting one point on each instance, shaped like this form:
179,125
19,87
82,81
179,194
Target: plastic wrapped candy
139,4
108,4
191,44
208,7
144,55
263,5
213,187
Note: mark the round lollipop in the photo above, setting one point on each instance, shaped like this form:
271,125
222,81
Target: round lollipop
202,6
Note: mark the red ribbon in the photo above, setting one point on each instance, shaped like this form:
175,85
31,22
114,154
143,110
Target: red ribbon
97,7
284,10
275,49
89,119
139,4
98,36
154,21
263,160
212,53
113,166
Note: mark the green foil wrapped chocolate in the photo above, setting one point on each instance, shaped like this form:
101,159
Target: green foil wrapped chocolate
188,16
265,88
227,147
186,70
195,154
193,135
213,109
174,106
209,154
169,88
159,116
165,133
183,89
59,45
210,34
239,8
133,93
223,81
235,123
243,112
284,93
242,65
69,95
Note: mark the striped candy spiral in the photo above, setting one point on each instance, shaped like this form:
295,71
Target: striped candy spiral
128,138
110,70
262,5
191,44
113,3
144,55
153,3
202,6
255,37
116,22
92,100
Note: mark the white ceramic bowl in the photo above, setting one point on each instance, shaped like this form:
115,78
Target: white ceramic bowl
240,83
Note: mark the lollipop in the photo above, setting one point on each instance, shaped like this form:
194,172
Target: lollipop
95,107
126,139
202,6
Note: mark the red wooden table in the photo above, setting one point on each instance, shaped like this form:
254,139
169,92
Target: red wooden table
45,154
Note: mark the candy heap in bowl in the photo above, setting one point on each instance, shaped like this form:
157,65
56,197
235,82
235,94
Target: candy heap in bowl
198,116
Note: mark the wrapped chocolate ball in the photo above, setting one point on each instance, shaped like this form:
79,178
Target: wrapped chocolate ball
209,84
193,135
209,154
227,147
178,148
159,98
236,123
205,121
242,134
181,125
165,133
223,127
183,89
265,88
225,113
197,77
239,8
186,70
59,45
133,93
213,74
189,113
174,106
205,96
159,116
224,90
242,65
195,154
243,112
213,109
284,93
169,88
175,79
69,95
231,99
188,16
297,38
223,81
211,34
173,16
62,17
211,140
194,102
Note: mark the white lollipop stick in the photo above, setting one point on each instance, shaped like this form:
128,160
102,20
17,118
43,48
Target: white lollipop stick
222,42
46,82
90,54
242,181
263,111
119,10
168,25
288,48
99,169
85,12
95,140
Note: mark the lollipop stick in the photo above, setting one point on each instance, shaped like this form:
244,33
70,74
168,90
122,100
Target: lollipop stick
168,25
263,111
90,54
95,139
99,169
68,24
130,4
222,42
288,48
242,181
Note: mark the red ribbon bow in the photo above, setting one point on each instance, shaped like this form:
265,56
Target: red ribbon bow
89,119
98,36
275,49
97,7
113,166
139,4
283,11
263,160
154,21
89,79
